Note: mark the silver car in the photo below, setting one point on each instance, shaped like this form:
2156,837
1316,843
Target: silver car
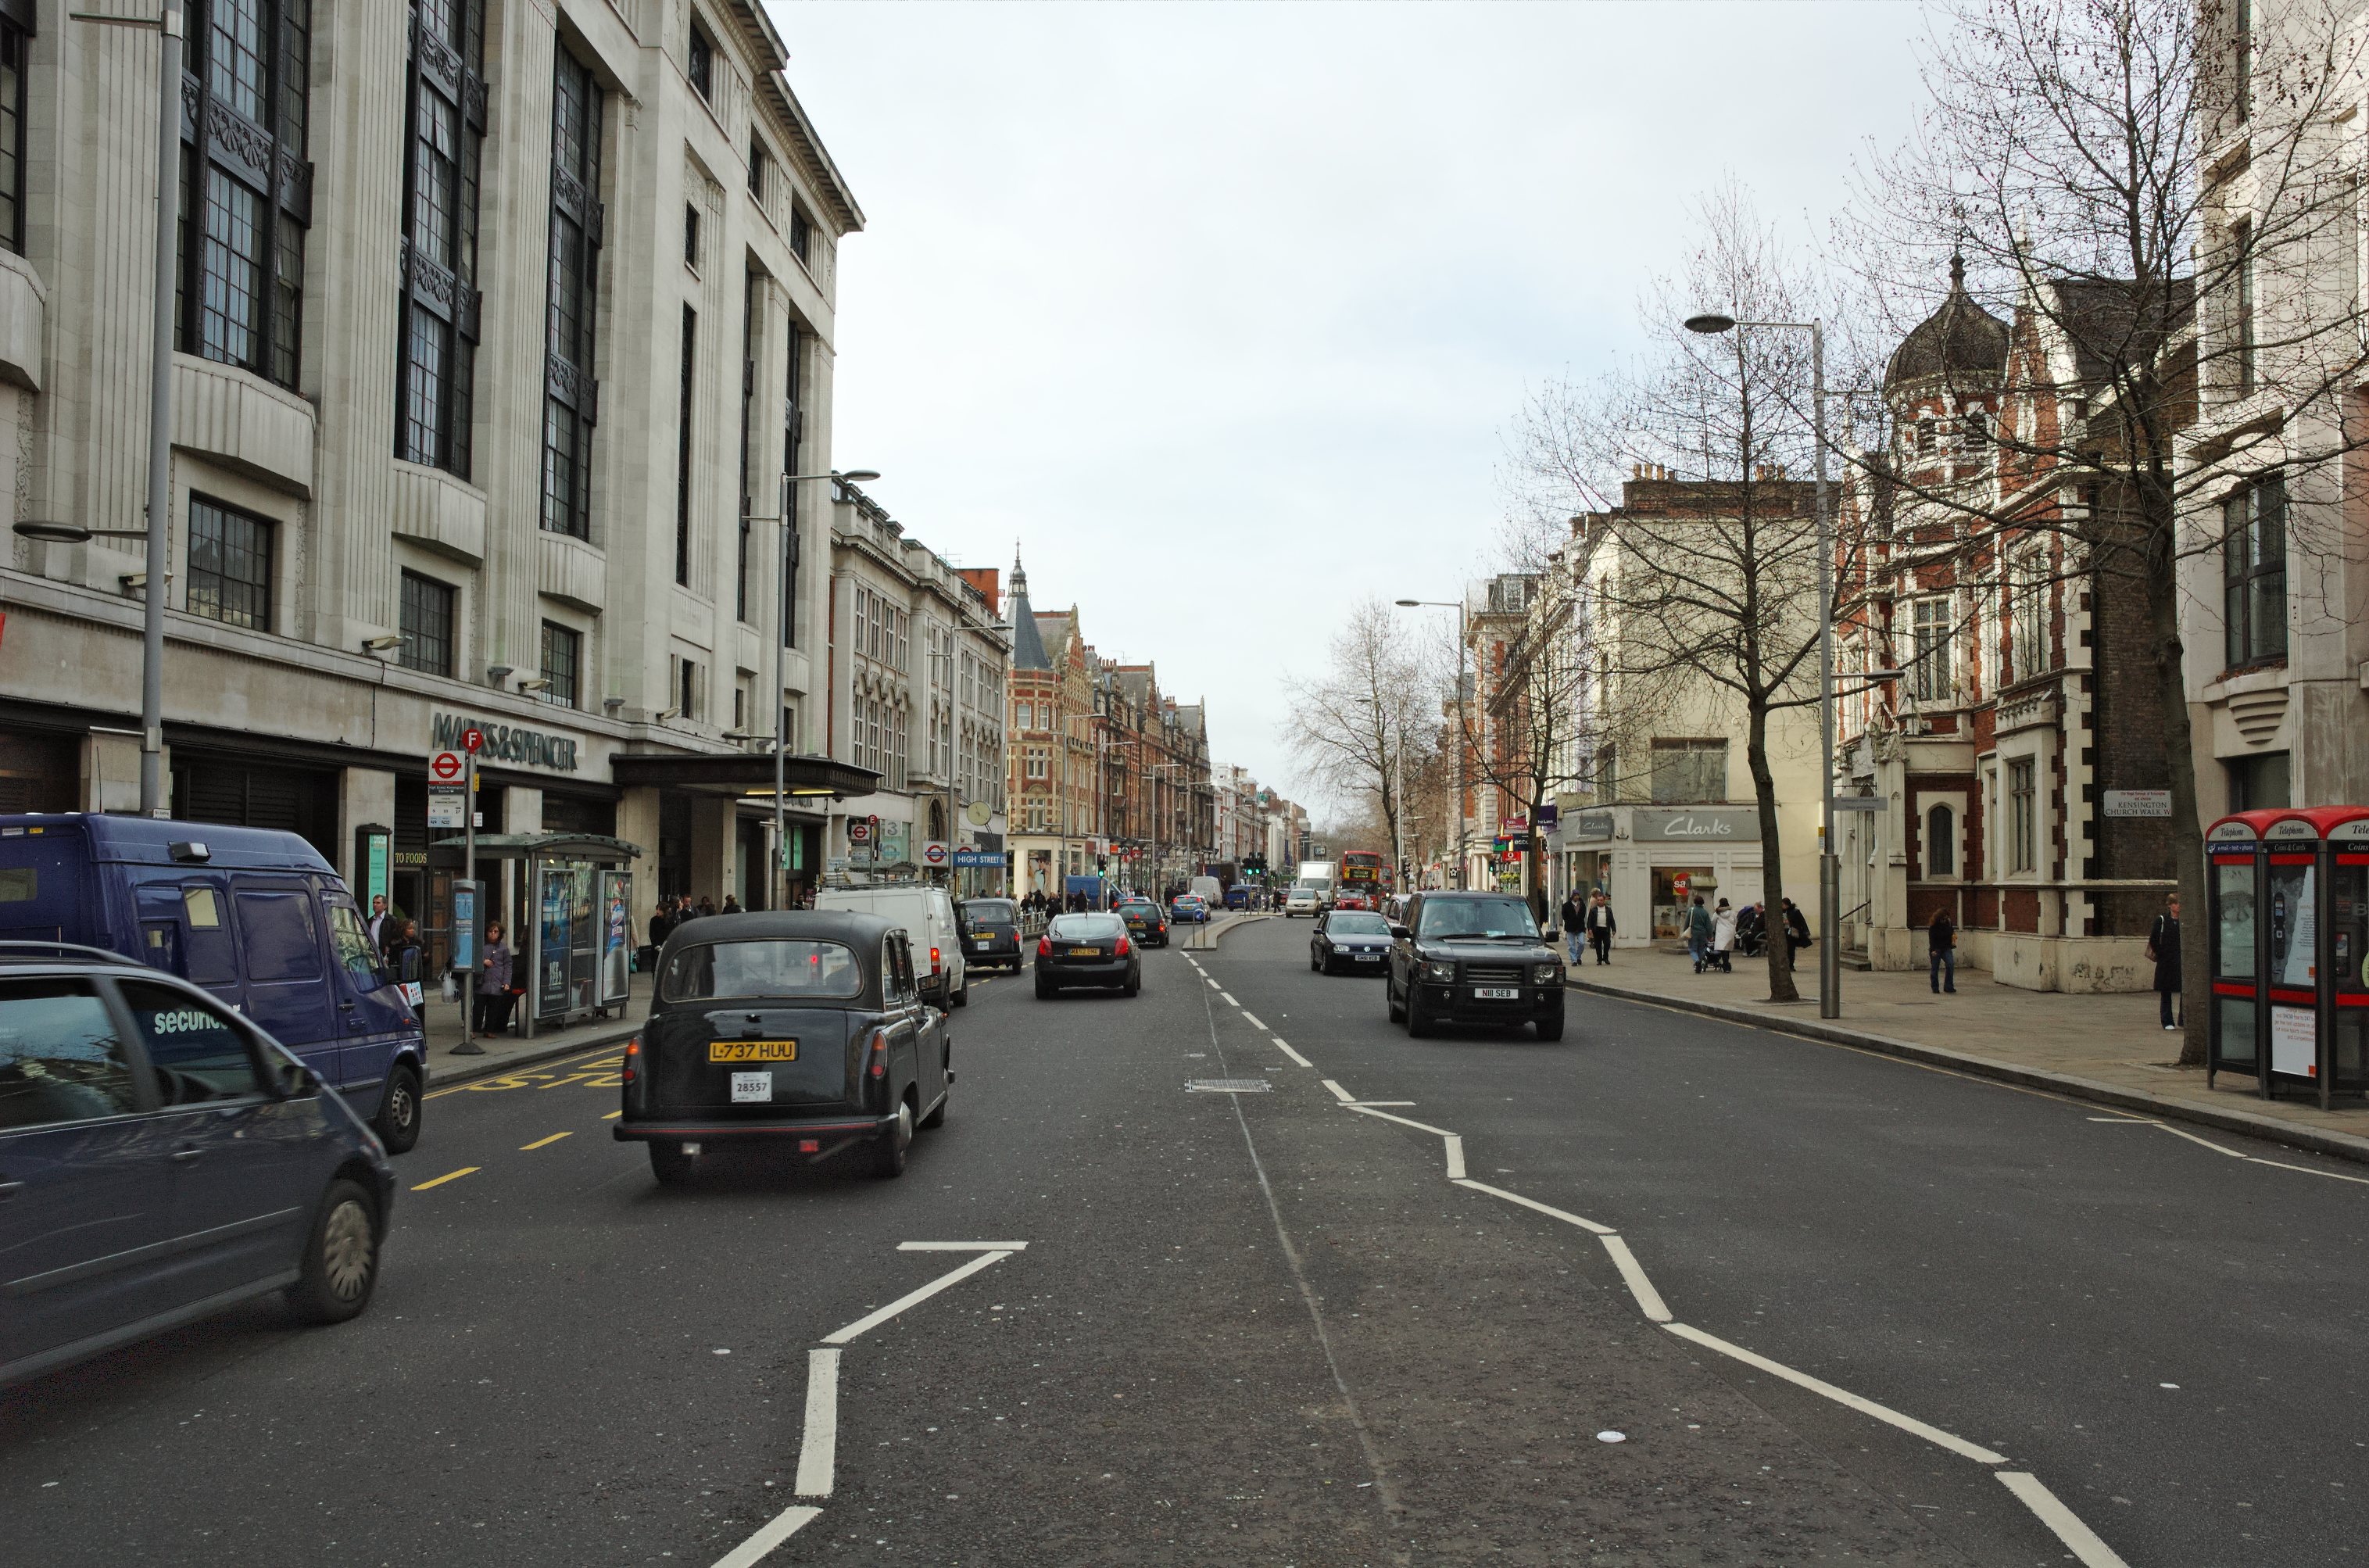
1302,901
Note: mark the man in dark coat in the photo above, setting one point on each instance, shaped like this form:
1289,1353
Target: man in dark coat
1797,932
1942,962
2163,946
1574,922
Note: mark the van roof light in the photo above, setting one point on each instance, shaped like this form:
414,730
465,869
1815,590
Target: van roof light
191,849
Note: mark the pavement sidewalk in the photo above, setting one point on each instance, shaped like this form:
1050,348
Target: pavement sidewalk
507,1053
2109,1049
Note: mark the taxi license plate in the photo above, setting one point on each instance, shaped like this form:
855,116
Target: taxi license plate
1085,952
753,1050
1498,993
983,941
757,1086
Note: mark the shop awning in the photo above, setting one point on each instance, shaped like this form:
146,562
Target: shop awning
445,853
740,772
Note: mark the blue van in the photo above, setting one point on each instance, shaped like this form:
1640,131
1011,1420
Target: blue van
255,916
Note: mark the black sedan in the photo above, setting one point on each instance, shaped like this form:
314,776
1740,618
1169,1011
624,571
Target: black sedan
801,1032
1473,958
1088,950
1355,940
1144,922
990,932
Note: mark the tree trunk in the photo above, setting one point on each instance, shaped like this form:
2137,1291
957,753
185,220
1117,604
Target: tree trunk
1772,864
2187,827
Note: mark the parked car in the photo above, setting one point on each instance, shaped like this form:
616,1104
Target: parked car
1088,950
799,1031
1145,922
1302,901
161,1159
990,934
1473,957
255,917
927,917
1350,939
1188,906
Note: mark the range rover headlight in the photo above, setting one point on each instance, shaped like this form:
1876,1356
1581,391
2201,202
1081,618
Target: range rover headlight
1445,974
1546,974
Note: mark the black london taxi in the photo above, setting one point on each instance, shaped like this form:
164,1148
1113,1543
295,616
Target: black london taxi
990,932
1145,922
801,1032
1474,957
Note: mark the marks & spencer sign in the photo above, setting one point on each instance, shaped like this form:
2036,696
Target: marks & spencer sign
504,743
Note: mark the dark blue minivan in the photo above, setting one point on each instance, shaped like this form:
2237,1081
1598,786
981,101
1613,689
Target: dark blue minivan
255,916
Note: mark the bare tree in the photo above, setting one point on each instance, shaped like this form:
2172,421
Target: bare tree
1355,728
2165,196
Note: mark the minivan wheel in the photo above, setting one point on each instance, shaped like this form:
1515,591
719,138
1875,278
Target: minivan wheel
888,1149
397,1122
340,1267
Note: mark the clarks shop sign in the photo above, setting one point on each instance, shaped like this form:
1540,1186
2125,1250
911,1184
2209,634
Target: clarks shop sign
505,743
1703,823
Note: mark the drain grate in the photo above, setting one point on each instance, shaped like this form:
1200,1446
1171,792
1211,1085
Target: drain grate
1230,1086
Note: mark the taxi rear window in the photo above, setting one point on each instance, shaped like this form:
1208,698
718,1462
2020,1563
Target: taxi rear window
779,967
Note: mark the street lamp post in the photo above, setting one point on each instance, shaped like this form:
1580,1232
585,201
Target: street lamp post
776,888
1457,605
1830,952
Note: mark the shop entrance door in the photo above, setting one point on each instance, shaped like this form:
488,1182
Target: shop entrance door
1674,890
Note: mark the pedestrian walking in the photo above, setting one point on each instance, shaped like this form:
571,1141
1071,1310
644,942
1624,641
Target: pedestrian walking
1574,926
378,917
491,1011
731,904
707,904
1797,932
2163,946
1601,925
1942,961
1722,937
1699,929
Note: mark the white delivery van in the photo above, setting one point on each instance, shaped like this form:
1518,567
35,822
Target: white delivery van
928,917
1212,892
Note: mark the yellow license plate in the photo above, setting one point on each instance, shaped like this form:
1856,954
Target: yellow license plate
1085,952
753,1050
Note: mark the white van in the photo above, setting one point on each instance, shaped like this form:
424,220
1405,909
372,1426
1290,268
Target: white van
928,917
1212,892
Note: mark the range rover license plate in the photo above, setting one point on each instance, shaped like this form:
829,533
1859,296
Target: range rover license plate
1498,993
753,1050
747,1086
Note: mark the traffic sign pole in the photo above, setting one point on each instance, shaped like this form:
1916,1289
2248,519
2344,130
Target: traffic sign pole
469,742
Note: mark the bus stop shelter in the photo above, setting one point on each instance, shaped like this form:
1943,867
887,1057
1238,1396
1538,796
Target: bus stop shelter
573,936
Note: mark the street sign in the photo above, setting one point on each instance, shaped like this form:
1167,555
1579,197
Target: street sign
859,831
2137,801
472,740
448,806
445,767
934,854
1859,803
1316,851
977,857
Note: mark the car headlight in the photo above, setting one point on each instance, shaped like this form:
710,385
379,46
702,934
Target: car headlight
1444,973
1546,974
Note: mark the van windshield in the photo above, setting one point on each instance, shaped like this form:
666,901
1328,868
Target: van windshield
780,966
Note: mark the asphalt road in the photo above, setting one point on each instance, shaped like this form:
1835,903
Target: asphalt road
1266,1328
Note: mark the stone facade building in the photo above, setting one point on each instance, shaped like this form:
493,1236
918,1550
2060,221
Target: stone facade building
498,323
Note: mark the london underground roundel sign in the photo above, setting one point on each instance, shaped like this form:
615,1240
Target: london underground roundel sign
445,767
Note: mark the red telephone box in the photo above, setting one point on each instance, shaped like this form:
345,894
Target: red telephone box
2289,947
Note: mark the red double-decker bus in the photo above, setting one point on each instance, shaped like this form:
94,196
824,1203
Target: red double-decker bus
1364,880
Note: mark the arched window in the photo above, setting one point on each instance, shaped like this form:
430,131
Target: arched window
1940,841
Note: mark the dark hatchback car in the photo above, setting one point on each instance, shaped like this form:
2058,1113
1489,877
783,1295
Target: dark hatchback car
1088,950
990,932
1473,958
800,1032
1144,922
1354,940
162,1159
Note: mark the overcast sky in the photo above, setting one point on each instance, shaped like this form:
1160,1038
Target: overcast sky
1218,310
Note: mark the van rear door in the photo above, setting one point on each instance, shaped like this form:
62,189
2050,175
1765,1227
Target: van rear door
47,893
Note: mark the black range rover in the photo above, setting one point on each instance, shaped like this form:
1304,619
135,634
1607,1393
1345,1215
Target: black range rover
799,1031
1473,958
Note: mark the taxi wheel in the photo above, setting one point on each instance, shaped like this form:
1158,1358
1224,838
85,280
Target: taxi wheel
888,1150
397,1123
340,1266
671,1166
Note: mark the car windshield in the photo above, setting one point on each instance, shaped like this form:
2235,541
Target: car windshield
1477,917
986,911
1358,923
777,967
1086,928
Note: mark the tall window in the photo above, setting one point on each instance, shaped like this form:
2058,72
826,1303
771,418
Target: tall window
426,625
682,446
229,566
246,191
700,63
1687,772
2254,572
2022,815
1940,841
15,38
562,664
689,236
2242,58
792,429
802,235
571,400
756,165
1932,679
2027,616
2242,261
753,331
436,364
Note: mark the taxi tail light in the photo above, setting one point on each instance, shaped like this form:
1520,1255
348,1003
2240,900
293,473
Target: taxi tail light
633,1058
879,1053
1044,947
1123,948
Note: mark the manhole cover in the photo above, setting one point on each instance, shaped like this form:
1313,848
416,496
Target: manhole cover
1230,1086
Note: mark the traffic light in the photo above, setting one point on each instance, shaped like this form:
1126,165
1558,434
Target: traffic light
1101,863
